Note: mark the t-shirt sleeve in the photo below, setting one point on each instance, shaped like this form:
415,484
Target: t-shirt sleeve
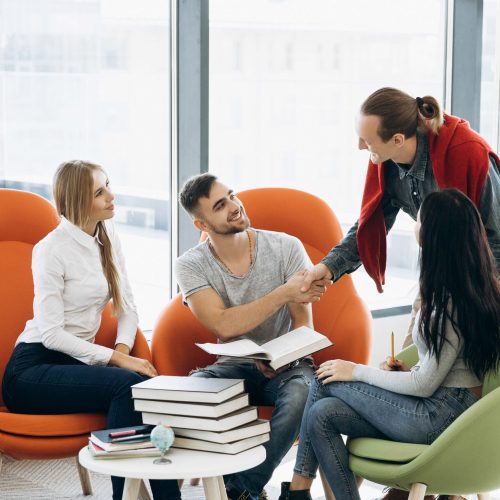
295,256
191,276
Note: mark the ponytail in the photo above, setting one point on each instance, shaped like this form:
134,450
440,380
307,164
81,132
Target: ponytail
400,113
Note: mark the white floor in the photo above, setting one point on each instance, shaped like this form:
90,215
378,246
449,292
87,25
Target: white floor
58,480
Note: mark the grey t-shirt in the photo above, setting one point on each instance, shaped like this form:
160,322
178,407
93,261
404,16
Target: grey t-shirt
277,257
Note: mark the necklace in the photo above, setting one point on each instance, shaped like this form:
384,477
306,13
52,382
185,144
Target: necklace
223,264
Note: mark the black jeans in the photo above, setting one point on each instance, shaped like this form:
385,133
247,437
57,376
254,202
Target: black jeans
38,380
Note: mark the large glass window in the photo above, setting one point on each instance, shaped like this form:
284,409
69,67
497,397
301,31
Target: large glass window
89,79
287,78
490,73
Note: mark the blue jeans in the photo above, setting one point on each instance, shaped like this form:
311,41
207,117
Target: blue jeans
38,380
287,392
356,409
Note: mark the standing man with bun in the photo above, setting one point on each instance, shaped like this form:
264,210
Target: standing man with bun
415,149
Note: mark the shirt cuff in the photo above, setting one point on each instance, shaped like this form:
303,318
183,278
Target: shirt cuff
101,356
337,265
127,329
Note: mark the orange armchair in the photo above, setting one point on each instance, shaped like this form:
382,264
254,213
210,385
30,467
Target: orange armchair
340,314
25,218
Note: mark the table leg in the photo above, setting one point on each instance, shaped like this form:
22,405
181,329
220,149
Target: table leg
131,488
222,488
212,488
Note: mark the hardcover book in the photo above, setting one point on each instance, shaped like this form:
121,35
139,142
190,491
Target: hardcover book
123,438
212,410
279,351
229,448
219,424
244,431
189,389
98,453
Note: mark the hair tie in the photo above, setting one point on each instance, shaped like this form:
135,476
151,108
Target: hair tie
420,102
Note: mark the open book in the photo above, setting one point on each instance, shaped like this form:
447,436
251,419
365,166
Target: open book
280,351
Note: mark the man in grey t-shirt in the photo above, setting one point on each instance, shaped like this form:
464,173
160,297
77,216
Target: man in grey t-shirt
245,283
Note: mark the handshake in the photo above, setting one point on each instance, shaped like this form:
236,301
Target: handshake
308,285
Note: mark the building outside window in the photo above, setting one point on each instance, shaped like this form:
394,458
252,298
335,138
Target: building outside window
283,113
89,79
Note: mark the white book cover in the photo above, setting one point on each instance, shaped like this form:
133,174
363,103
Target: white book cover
189,389
279,351
220,424
212,410
245,431
229,448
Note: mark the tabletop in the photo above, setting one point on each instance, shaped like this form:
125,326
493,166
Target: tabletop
185,463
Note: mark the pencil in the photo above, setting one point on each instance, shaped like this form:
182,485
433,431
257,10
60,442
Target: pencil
392,347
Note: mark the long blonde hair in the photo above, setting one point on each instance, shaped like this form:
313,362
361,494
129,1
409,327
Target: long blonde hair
73,189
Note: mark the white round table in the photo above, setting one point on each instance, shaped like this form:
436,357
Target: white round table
185,463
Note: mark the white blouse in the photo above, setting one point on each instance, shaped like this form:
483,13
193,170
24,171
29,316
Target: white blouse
71,292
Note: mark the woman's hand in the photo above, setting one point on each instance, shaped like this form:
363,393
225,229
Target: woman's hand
335,370
139,365
393,365
123,348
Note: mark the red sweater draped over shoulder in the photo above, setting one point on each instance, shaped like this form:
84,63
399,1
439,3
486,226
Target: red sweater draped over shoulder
460,159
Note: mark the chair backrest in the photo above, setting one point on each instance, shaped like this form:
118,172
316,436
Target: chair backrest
340,314
26,218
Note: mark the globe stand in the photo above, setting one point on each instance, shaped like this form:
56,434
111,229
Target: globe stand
163,459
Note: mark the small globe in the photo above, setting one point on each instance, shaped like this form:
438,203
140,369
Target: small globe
162,436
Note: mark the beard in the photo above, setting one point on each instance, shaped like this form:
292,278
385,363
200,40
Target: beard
226,229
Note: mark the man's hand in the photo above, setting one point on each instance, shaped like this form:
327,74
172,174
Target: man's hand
139,365
318,272
314,292
335,370
266,370
393,365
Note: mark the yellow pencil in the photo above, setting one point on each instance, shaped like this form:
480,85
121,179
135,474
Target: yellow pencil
392,347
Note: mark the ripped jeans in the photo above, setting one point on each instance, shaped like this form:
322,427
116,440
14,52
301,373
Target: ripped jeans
287,392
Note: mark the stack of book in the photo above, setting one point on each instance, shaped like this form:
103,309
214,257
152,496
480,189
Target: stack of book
125,442
208,414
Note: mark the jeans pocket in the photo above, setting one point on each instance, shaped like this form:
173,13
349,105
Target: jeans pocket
433,435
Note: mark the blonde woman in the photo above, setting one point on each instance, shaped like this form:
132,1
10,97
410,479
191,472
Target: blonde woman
77,268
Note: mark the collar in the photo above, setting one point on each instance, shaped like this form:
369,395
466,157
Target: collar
419,164
78,234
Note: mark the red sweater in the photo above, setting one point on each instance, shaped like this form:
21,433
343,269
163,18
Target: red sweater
460,159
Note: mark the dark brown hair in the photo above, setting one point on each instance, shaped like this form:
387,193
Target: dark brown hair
196,187
401,113
459,280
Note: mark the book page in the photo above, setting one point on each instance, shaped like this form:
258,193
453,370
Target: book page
242,347
296,340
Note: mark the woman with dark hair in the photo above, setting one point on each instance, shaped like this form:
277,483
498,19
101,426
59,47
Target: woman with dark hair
77,268
457,334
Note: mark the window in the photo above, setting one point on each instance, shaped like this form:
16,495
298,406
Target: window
304,69
89,79
490,73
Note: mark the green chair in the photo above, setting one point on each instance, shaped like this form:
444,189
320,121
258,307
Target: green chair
464,459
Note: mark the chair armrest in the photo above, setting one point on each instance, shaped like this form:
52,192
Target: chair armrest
409,356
